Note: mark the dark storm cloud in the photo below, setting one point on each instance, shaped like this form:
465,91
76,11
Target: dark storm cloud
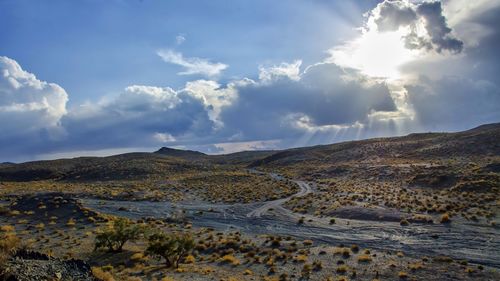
464,92
390,15
322,95
393,14
438,30
483,59
454,103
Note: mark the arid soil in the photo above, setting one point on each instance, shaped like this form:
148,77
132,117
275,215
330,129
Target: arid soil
419,207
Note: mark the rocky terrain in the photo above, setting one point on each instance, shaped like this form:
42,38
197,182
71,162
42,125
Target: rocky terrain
418,207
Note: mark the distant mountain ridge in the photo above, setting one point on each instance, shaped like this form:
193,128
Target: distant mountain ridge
167,151
482,141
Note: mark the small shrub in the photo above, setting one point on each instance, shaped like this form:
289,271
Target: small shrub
9,243
469,270
445,218
230,259
442,259
300,258
307,242
101,274
171,247
364,258
416,266
115,237
7,228
346,253
317,265
137,257
306,269
301,220
354,248
71,222
402,275
189,259
342,269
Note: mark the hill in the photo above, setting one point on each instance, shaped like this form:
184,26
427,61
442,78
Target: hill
479,142
184,154
482,141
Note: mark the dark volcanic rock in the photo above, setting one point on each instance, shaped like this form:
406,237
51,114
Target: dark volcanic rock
27,266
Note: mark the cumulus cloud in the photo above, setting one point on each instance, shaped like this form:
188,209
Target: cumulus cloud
164,137
354,93
461,92
139,116
438,30
390,15
454,103
286,70
212,95
192,65
322,95
424,23
28,105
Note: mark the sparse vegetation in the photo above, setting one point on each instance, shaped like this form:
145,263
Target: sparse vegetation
382,181
115,236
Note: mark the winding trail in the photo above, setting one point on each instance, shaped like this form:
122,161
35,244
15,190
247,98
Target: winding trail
305,189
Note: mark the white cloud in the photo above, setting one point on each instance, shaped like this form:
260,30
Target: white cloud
26,103
289,70
163,137
192,65
461,15
212,95
231,147
145,97
398,32
140,116
179,39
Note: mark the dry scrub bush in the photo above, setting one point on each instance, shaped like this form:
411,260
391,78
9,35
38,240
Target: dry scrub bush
173,248
364,258
230,259
445,218
7,228
115,237
9,244
101,274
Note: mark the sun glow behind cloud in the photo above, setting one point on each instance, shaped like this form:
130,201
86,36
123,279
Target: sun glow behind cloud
376,54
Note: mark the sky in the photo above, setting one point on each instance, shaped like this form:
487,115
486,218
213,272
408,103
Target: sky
94,78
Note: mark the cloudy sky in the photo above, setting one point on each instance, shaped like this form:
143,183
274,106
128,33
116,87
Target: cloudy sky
96,77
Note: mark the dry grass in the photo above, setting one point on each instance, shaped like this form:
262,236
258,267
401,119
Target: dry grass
402,275
101,274
230,259
445,218
364,258
9,244
7,228
300,258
